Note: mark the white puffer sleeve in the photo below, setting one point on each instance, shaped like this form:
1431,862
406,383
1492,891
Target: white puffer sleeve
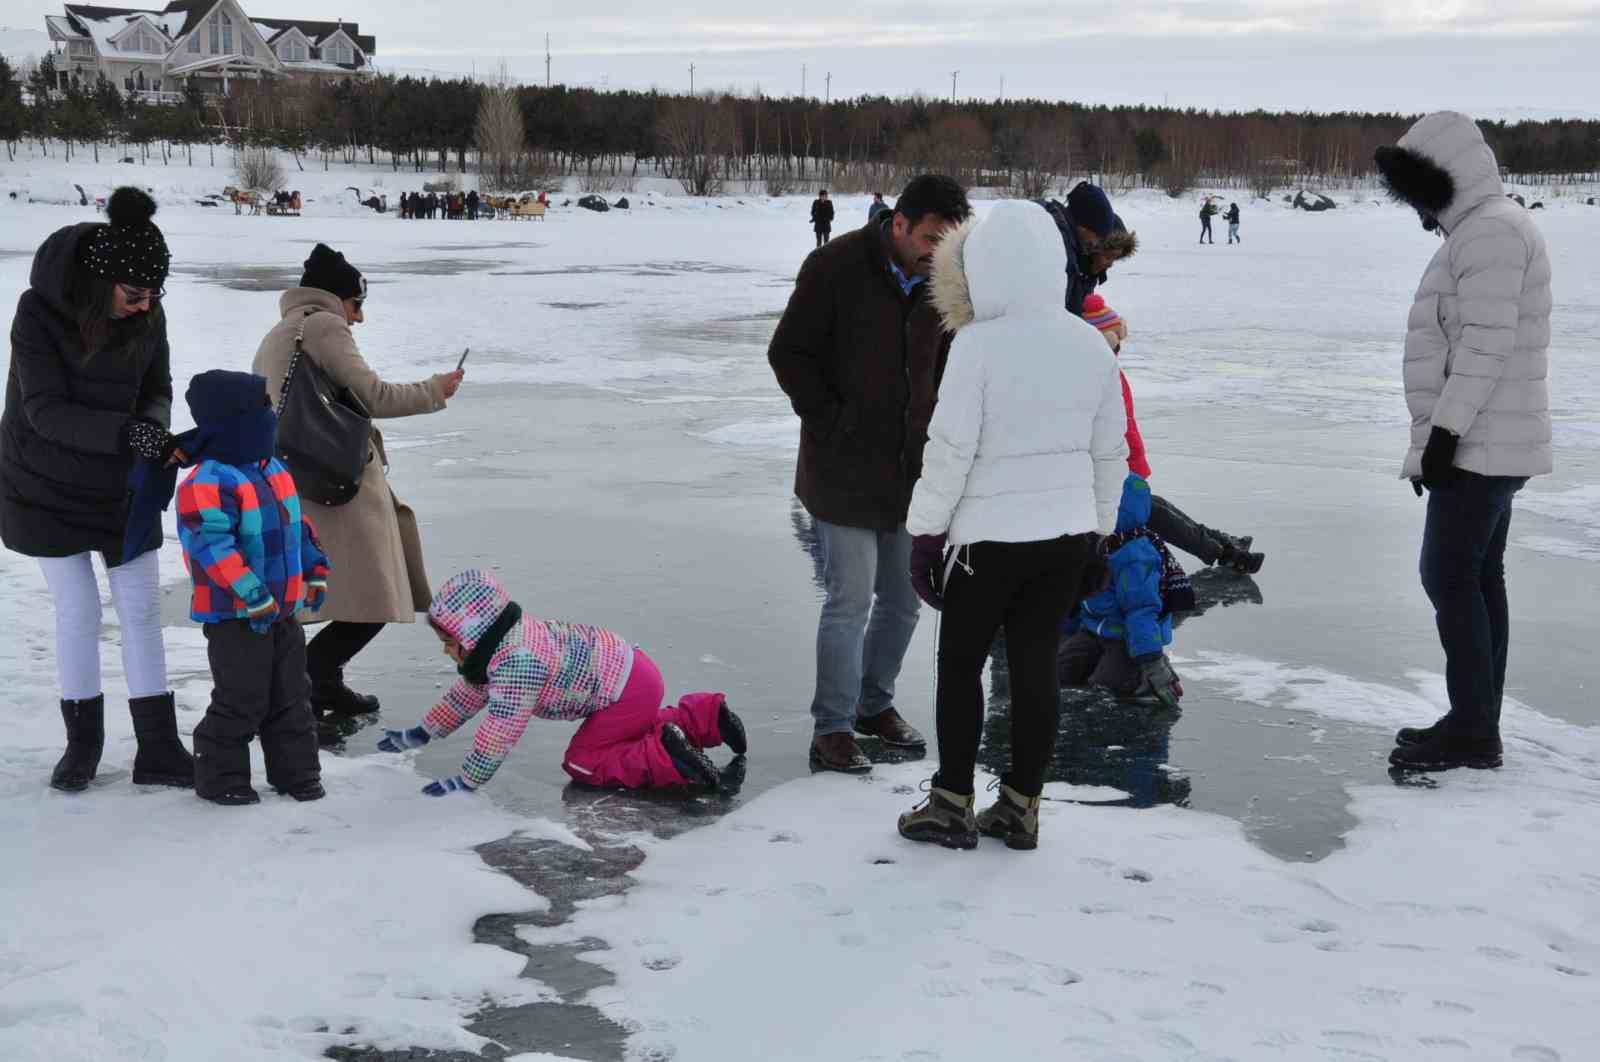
952,441
1109,448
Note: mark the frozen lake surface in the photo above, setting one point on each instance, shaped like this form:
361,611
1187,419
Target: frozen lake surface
621,454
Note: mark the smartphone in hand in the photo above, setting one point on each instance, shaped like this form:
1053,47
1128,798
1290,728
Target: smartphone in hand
463,361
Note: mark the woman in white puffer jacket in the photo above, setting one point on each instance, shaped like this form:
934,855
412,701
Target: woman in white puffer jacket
1476,366
1025,459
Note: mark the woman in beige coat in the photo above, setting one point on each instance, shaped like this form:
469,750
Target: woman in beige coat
378,575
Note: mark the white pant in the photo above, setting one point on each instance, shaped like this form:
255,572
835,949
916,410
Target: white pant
136,593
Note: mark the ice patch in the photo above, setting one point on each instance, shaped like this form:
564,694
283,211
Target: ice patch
769,433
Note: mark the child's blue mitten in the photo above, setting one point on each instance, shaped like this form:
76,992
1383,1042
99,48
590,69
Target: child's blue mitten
400,740
263,610
446,786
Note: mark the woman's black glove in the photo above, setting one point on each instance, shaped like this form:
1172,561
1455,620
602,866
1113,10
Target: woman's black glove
927,569
1438,460
149,440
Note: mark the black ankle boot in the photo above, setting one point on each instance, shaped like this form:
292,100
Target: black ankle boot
330,696
161,758
86,738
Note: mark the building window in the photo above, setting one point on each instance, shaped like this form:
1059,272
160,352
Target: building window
127,83
194,42
227,34
81,49
294,51
216,33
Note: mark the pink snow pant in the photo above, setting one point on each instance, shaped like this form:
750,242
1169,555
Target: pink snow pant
621,745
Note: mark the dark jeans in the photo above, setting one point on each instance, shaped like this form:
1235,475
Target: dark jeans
1028,587
1175,526
1464,573
1205,230
260,691
335,645
823,235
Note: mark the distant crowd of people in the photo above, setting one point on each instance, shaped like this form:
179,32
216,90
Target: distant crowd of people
453,206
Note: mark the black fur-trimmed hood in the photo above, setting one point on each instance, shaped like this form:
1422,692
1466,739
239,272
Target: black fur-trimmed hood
1442,167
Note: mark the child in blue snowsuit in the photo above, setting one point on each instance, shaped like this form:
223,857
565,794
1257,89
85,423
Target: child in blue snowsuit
1118,638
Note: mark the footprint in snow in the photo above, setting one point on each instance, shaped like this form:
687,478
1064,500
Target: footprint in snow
1570,971
1535,1053
1319,925
784,837
1444,1041
1503,954
1061,976
1001,957
1135,874
1450,1006
1208,987
1019,985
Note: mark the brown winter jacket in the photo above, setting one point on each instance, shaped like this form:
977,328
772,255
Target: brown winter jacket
372,541
860,362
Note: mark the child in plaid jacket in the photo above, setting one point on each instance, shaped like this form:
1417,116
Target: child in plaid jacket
518,667
255,562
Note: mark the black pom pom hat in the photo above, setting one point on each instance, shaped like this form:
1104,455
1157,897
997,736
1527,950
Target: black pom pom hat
129,249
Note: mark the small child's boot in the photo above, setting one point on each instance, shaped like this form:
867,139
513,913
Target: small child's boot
693,766
1013,818
234,798
306,791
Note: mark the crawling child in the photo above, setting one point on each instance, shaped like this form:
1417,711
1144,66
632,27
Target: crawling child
517,667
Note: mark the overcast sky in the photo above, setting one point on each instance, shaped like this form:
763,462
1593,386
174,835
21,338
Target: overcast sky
1503,59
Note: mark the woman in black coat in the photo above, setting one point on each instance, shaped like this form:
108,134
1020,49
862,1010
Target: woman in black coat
90,388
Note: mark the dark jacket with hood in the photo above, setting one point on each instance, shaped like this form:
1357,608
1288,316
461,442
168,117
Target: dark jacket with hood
859,360
1079,283
63,465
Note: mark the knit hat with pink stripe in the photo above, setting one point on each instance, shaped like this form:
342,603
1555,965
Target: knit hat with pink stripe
1097,313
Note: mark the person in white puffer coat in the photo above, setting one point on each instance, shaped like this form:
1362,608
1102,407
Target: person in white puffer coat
1024,463
1476,367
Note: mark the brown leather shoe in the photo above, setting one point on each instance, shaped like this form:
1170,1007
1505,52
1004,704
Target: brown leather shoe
838,752
891,728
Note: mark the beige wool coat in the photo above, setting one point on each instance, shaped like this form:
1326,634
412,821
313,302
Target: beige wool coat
372,541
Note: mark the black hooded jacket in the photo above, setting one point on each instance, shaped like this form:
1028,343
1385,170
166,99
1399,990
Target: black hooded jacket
63,466
1080,285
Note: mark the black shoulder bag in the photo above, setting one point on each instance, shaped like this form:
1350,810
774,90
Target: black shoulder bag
324,431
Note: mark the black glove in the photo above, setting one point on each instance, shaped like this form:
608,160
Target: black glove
927,569
1438,460
149,440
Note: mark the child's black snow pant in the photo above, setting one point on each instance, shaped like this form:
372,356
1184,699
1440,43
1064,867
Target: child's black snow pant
261,690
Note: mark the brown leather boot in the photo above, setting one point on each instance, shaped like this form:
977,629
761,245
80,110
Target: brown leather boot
891,728
838,752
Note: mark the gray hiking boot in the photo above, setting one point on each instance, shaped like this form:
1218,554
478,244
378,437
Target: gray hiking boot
1013,818
944,818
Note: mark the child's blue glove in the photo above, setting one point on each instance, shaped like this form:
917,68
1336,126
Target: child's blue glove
263,611
445,786
400,740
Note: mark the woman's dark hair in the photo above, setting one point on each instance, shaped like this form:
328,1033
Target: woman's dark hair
935,194
89,298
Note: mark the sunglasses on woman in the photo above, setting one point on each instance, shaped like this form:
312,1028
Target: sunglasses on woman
135,296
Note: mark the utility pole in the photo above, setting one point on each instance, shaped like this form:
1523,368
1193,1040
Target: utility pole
953,75
547,60
691,79
1002,88
827,92
802,81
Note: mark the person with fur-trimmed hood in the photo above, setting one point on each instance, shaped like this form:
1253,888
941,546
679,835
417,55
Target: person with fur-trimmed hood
1476,365
1024,460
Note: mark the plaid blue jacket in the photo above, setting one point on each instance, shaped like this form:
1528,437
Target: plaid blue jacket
245,541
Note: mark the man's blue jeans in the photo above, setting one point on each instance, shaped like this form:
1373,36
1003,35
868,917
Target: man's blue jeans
1463,571
867,621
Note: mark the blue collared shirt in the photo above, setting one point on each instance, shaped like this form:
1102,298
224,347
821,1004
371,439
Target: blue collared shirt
907,284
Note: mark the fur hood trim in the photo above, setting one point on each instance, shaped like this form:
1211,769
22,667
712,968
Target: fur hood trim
1123,243
947,283
1411,178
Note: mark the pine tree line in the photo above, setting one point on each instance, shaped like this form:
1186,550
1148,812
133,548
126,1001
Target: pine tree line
1028,147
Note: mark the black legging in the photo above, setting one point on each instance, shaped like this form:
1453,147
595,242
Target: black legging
335,645
1175,526
1027,587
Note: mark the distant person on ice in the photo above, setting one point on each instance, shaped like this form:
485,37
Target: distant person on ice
858,351
514,667
822,217
1208,210
1232,218
89,390
876,207
1025,453
1476,368
256,563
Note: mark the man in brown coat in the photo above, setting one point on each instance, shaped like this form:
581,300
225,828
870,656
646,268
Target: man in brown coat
858,353
372,541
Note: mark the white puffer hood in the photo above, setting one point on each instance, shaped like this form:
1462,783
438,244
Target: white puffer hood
1453,142
1007,263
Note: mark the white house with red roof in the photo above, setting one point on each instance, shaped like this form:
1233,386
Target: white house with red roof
154,53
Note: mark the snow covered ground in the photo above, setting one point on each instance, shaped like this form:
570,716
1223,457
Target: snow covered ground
621,452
